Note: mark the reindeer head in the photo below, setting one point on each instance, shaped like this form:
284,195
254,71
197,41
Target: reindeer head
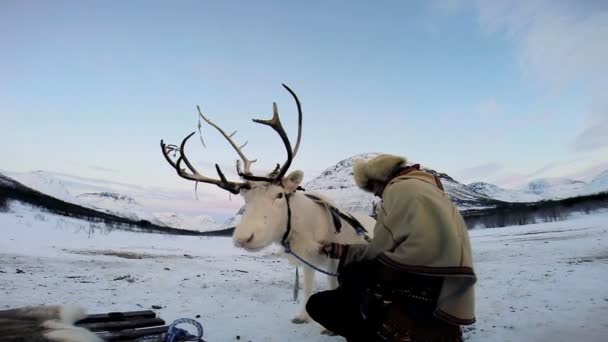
265,217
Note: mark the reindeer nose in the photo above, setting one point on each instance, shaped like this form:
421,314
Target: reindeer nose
244,242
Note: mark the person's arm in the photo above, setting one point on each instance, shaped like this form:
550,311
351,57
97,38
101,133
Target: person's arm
396,211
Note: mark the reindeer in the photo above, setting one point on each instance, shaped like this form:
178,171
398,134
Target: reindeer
275,212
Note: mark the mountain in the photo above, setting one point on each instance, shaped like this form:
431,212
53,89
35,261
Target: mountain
118,199
464,197
337,183
501,194
46,183
555,188
598,184
8,182
118,204
234,220
197,223
544,189
13,191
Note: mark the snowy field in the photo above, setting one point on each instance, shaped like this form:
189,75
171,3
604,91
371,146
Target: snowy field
542,282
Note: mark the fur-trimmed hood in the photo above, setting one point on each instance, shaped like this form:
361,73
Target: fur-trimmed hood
380,169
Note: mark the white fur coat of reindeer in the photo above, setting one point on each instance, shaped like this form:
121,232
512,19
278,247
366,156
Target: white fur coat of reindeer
269,199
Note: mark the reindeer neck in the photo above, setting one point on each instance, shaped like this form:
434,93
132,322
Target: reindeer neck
308,222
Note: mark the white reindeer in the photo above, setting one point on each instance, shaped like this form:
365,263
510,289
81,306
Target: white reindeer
275,212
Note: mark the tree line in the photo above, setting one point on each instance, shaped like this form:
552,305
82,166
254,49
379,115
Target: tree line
513,214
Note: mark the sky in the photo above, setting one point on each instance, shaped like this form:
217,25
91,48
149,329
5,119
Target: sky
495,91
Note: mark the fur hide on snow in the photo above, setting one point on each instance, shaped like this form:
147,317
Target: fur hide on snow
43,324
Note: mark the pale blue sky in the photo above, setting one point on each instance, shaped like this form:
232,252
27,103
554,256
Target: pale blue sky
496,91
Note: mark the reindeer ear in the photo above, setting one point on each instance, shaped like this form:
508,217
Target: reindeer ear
292,181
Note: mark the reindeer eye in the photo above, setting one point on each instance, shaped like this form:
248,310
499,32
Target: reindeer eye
280,195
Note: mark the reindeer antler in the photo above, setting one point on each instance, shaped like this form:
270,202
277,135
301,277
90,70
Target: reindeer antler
275,124
238,149
235,187
194,175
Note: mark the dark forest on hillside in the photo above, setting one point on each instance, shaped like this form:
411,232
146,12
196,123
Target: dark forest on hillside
511,214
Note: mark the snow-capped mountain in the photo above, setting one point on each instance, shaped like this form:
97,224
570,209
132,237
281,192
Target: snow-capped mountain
544,189
598,184
44,182
555,188
337,183
200,222
501,194
113,198
464,197
234,220
117,204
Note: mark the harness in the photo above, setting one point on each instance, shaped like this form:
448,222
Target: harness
336,215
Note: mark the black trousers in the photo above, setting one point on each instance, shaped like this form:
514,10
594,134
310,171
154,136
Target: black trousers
342,311
373,303
339,314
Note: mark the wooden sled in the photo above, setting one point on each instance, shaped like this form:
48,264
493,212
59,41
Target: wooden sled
136,326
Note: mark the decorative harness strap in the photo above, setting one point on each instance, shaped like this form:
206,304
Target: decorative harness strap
336,214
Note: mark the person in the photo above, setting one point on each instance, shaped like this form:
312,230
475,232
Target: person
414,281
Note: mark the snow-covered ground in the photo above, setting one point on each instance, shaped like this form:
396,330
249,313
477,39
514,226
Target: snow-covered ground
542,282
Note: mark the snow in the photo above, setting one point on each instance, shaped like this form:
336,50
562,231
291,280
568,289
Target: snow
198,222
555,188
118,199
45,183
337,183
542,282
544,188
506,195
119,205
598,184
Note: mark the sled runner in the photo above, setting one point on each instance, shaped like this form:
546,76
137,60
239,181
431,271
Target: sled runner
71,323
139,326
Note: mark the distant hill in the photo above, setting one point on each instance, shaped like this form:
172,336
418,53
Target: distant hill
113,198
11,190
544,189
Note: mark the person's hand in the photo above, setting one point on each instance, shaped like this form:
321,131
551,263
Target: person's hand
324,247
330,250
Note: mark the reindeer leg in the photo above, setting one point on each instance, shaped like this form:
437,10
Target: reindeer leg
309,277
332,280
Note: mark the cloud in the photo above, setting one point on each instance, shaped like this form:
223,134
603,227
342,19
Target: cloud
595,134
558,43
560,47
590,172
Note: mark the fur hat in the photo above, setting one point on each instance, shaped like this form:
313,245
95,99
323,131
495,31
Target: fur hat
378,169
